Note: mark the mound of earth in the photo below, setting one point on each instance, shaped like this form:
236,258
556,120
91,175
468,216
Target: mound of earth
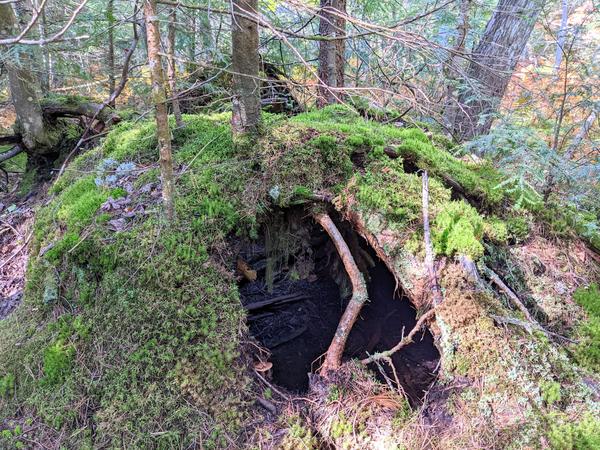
208,332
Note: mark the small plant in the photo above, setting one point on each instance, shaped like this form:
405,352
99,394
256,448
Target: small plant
550,391
7,385
57,362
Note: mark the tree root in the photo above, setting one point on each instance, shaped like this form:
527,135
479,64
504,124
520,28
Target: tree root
333,357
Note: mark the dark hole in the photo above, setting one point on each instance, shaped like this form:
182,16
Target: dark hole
298,326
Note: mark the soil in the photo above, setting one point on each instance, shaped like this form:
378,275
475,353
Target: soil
299,332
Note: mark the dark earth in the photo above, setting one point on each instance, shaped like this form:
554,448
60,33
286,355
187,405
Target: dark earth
299,328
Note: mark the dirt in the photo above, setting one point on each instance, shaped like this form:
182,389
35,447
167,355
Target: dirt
16,221
298,333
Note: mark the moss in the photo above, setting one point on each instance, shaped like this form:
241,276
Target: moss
587,351
574,435
27,182
458,229
58,359
550,391
150,342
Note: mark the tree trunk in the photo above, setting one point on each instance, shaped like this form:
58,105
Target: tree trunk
110,57
327,55
562,36
340,46
245,65
46,69
453,68
172,69
23,87
159,98
492,65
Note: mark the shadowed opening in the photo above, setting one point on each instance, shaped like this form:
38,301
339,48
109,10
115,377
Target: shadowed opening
298,296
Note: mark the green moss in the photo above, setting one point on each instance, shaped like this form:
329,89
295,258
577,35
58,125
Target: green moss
27,182
458,229
495,230
587,351
518,228
58,359
550,391
582,434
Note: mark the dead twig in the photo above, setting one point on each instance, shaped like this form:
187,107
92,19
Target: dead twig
530,326
436,292
19,250
333,357
509,293
403,342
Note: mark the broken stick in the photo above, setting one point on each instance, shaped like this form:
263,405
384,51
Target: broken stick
509,293
436,292
408,339
333,357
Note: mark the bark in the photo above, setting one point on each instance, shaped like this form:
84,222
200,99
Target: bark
172,69
23,87
492,64
245,65
340,46
453,68
327,55
159,98
333,357
45,76
436,292
110,57
562,36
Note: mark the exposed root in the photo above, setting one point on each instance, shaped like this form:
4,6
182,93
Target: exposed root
333,357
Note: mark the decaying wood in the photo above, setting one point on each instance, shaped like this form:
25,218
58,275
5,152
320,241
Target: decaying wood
509,293
436,292
282,299
333,357
403,342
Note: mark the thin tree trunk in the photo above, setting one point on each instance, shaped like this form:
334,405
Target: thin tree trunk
340,47
562,36
327,55
159,98
110,57
45,75
190,66
23,87
492,64
245,64
453,68
172,69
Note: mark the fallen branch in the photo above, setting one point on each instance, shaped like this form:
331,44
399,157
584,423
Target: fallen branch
333,357
274,301
403,342
436,292
509,293
11,153
530,326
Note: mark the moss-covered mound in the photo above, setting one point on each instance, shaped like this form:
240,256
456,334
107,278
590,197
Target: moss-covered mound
131,333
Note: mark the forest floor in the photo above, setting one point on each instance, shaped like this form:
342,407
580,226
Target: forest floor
16,222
